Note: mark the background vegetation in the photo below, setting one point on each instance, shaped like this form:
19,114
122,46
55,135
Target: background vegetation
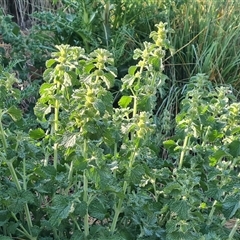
113,126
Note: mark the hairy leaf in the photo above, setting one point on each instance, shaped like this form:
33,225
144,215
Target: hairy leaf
231,205
60,209
15,113
125,101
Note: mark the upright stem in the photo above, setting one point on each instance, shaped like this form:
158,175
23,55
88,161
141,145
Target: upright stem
85,199
234,229
118,208
210,217
115,157
28,216
13,173
183,152
2,135
55,129
70,174
85,191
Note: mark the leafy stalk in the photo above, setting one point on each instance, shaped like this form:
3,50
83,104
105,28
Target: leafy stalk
13,172
138,76
183,152
85,199
55,128
85,191
234,229
210,217
118,208
2,134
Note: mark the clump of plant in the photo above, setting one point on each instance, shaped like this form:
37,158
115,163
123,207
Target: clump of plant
15,151
203,191
94,156
92,171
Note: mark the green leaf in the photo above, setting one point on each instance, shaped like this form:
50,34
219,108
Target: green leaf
124,101
136,174
214,191
172,187
97,209
218,155
15,113
4,216
132,70
16,29
169,144
81,209
44,87
235,130
77,235
234,148
99,106
61,207
230,206
41,110
19,199
89,67
69,140
109,79
181,208
50,62
37,133
214,135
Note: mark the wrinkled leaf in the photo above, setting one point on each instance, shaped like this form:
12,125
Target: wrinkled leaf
181,208
97,209
15,113
50,62
234,148
37,133
124,101
61,207
230,206
132,70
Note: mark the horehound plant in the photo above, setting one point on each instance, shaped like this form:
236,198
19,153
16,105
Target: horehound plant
102,147
11,149
206,150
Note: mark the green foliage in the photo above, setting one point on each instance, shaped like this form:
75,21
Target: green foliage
204,188
93,171
119,26
93,154
205,39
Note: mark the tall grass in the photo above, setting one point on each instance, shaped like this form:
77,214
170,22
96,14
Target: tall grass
206,39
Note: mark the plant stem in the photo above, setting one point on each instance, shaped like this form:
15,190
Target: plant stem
14,175
211,213
70,174
19,188
55,129
85,199
28,216
118,209
23,231
85,191
183,152
2,135
76,223
234,229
